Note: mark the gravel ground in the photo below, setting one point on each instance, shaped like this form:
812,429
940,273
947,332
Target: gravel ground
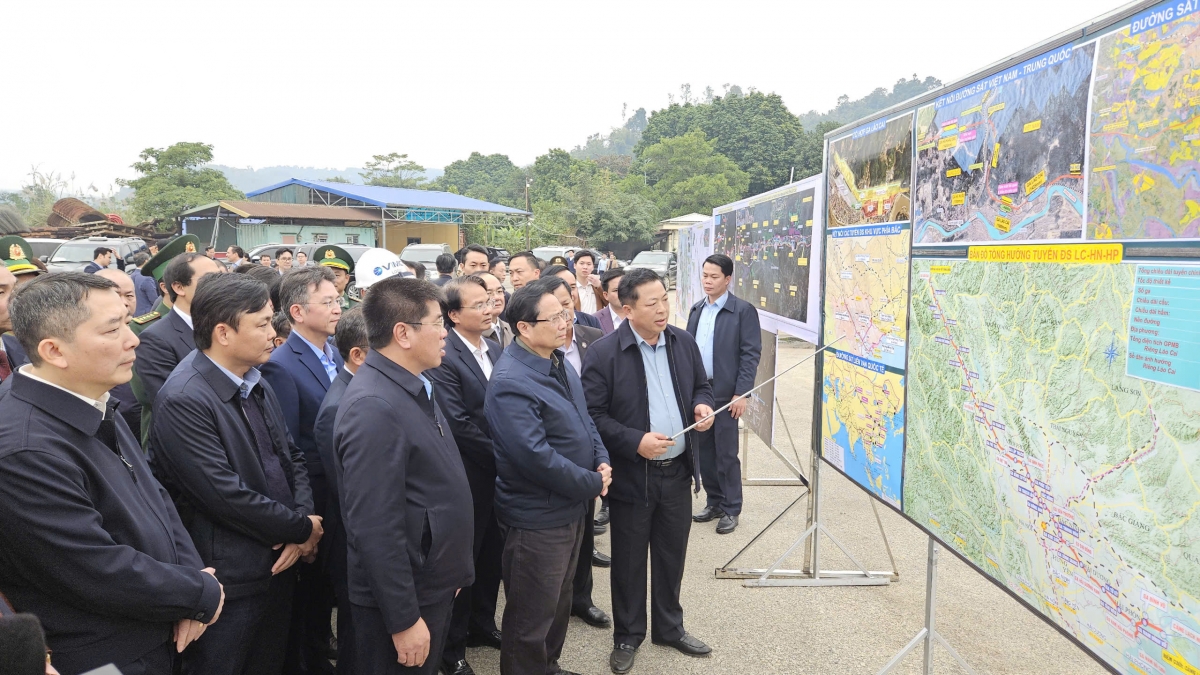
827,630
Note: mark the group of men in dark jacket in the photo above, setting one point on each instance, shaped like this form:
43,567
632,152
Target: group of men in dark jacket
390,460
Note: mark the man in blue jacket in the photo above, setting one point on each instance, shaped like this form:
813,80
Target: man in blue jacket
221,444
550,462
89,541
645,385
727,331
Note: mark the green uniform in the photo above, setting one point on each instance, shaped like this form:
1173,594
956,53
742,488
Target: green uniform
338,258
17,255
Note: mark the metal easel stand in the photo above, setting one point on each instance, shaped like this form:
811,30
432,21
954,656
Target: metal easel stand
928,635
811,574
794,469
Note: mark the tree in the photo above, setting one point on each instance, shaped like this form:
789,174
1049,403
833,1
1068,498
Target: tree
172,182
619,142
335,179
686,174
810,149
492,178
393,170
847,111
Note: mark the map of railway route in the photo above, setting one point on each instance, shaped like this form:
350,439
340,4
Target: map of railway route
1145,134
869,173
862,422
866,291
1001,160
1033,454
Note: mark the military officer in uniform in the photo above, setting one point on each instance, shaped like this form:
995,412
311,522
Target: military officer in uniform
341,262
18,258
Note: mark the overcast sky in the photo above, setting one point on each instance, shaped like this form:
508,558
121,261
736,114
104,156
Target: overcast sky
87,85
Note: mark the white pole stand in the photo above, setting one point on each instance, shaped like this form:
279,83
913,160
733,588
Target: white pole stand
929,635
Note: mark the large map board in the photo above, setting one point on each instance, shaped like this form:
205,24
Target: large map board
695,244
760,410
773,239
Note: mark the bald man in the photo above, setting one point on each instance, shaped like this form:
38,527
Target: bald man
127,403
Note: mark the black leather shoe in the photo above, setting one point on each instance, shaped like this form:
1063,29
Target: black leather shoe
707,513
688,645
491,639
460,667
621,659
727,524
602,517
593,616
600,560
598,530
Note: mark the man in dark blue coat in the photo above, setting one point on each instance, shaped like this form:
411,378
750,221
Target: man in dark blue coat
403,488
300,372
461,383
8,342
730,341
89,540
550,462
166,342
221,445
645,384
147,287
351,340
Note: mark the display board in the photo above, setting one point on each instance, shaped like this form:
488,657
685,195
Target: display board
772,238
1017,370
760,409
695,244
1034,454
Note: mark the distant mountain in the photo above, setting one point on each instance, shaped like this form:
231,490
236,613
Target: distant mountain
249,179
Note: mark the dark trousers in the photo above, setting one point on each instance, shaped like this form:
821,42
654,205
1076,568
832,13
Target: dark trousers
159,661
250,637
719,467
661,524
581,588
312,606
374,651
539,570
335,564
475,606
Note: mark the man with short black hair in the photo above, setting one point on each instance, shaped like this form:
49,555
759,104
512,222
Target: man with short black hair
612,316
408,527
445,267
221,444
101,258
265,260
646,384
523,268
235,256
283,260
165,343
500,332
462,381
127,404
474,259
351,340
549,462
300,372
499,268
210,251
301,260
577,317
727,331
89,540
587,284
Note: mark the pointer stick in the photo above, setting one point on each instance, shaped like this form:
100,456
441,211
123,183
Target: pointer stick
714,413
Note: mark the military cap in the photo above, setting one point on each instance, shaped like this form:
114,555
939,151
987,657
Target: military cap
559,260
156,266
18,255
334,256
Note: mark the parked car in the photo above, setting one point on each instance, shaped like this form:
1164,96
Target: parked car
662,262
355,250
497,253
548,252
75,254
44,248
425,254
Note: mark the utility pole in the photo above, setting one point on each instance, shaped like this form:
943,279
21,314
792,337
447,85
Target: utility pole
528,182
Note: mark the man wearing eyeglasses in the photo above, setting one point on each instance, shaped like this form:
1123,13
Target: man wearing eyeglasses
499,330
462,382
300,372
550,462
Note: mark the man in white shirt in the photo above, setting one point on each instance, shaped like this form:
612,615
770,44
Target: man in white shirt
587,285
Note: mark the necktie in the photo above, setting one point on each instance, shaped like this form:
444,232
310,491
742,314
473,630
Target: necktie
5,368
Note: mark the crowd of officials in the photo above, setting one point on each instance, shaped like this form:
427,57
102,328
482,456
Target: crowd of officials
194,487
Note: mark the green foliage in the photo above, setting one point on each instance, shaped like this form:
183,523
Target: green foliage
172,182
393,170
686,174
810,149
847,111
492,178
335,179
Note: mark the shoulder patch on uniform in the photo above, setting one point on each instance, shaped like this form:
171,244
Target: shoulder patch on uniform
146,318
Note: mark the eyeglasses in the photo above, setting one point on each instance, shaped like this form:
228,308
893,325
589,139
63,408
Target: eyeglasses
480,306
328,304
561,317
439,323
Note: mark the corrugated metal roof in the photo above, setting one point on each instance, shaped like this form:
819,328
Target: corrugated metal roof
397,197
247,209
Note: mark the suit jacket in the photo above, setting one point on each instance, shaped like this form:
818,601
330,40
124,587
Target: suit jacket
14,351
442,279
335,532
405,498
547,448
92,268
205,453
584,336
588,320
737,346
502,336
601,301
461,388
163,345
300,383
615,380
89,540
147,291
604,317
